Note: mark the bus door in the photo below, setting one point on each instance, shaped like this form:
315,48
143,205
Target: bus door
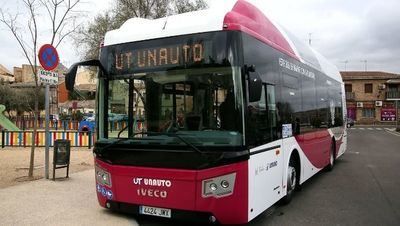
266,156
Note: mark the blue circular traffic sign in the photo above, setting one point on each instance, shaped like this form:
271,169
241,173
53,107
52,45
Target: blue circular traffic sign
48,57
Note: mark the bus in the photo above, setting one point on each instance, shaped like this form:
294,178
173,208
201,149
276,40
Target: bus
225,114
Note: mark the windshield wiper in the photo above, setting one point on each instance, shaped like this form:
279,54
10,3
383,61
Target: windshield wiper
172,135
101,149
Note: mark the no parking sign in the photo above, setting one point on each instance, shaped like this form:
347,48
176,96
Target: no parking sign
48,57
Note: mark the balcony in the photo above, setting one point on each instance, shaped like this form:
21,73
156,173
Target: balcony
350,95
393,95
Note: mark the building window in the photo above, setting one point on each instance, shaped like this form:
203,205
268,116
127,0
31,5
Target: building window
369,112
368,88
348,88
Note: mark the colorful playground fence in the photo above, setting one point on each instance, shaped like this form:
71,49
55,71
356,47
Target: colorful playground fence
71,125
24,138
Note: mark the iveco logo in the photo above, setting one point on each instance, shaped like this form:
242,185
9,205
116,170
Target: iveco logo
152,193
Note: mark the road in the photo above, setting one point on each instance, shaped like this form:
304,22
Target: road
362,189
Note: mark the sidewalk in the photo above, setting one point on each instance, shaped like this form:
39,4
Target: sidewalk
70,201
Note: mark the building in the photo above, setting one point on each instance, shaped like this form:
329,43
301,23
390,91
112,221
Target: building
83,95
53,103
371,95
24,79
6,75
24,73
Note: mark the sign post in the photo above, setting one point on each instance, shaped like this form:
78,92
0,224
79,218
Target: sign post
397,115
48,58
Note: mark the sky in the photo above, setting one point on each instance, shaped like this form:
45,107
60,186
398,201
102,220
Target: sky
354,35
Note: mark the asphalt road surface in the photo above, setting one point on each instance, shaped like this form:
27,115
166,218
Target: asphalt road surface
363,188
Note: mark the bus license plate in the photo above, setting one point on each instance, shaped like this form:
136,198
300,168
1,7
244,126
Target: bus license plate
154,211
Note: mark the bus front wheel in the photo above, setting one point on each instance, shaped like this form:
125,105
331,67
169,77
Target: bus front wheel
292,181
331,157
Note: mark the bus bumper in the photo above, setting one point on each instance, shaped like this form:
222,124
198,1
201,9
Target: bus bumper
186,193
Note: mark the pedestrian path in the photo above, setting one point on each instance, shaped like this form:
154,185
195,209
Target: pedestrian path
390,130
373,128
70,201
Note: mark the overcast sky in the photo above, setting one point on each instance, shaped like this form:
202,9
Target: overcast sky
354,31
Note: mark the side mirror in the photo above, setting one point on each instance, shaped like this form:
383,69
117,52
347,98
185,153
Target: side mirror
70,77
71,73
255,85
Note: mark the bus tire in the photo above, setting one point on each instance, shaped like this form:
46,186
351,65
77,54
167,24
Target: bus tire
292,180
332,157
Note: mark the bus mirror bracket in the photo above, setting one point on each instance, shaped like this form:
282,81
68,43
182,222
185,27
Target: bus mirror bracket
255,83
70,75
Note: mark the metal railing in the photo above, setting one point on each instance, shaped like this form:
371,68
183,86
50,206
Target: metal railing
393,94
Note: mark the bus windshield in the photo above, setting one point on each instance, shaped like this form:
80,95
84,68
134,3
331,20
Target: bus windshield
203,105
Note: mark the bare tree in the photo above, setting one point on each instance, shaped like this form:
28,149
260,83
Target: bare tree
88,38
62,23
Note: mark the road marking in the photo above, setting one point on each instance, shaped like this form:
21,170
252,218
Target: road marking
353,128
379,128
354,152
370,129
390,129
393,133
362,128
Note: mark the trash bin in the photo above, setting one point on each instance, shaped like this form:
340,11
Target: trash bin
61,156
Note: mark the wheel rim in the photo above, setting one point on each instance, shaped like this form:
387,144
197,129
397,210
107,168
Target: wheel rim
292,178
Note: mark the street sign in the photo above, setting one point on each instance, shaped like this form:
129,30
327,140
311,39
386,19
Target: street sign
48,57
48,77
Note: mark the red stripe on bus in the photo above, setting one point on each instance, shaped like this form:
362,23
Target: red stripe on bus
316,146
249,19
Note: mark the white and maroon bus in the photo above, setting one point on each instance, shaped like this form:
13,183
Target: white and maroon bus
227,113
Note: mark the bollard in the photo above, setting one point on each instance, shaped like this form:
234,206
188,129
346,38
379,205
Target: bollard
89,139
2,138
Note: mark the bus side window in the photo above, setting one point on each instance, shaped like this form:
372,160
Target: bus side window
262,117
272,113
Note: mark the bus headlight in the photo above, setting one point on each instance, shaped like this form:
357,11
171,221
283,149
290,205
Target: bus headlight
213,187
103,177
224,184
219,186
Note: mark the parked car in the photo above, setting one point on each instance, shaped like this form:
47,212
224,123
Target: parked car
91,118
350,122
112,117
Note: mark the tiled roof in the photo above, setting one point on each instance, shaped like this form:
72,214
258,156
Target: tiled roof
368,75
4,71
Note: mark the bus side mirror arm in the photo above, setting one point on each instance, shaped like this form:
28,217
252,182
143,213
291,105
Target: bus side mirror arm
70,75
